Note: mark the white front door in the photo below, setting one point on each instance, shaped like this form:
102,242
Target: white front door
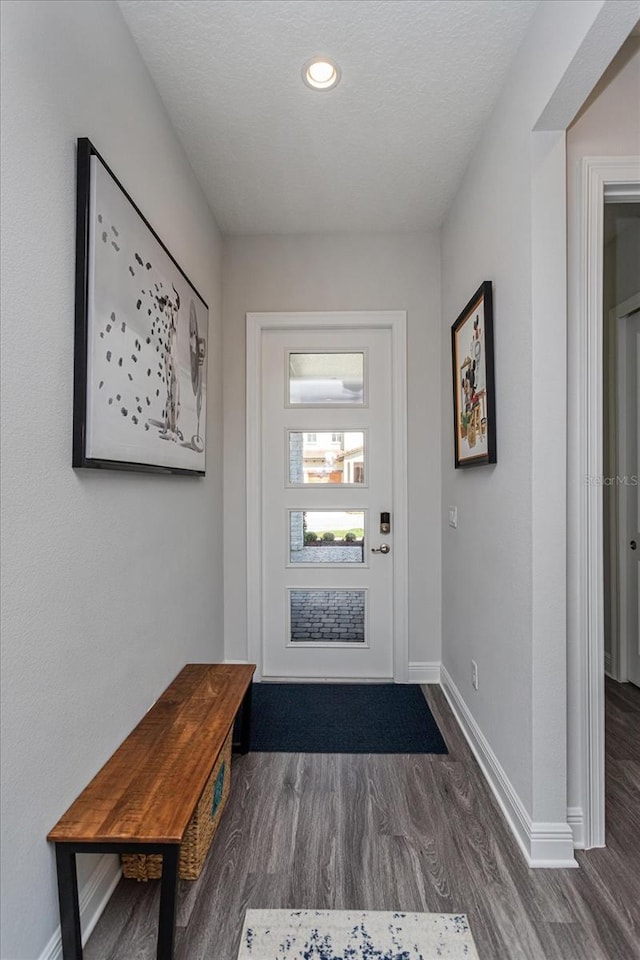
630,497
326,400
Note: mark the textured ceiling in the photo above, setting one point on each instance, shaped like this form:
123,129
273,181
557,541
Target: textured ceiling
383,151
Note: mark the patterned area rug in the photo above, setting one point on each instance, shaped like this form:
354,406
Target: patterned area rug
355,935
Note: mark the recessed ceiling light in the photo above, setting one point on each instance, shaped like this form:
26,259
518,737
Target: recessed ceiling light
321,73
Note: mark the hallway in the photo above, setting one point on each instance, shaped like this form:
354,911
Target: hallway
401,832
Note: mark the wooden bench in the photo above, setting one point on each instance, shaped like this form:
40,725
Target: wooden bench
143,798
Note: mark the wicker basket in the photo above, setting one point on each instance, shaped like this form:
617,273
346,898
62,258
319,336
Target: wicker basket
200,832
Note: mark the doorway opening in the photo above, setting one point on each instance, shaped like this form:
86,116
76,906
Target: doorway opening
621,490
605,182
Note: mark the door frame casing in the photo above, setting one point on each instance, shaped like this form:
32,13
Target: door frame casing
617,179
396,322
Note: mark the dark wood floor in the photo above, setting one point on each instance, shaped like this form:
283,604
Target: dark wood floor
401,833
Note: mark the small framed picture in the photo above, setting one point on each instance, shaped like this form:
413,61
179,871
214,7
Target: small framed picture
140,375
474,404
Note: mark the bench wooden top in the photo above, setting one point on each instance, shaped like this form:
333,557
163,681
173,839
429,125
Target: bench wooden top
147,791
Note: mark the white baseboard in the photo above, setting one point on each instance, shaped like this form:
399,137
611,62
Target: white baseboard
93,898
575,819
543,844
424,672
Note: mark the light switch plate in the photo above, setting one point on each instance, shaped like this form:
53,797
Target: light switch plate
453,517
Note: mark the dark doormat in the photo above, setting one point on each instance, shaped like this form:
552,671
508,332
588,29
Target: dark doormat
342,718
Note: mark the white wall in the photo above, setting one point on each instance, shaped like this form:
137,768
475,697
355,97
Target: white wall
110,581
607,125
356,272
504,592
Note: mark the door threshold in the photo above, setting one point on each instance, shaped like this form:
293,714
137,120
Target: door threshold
264,679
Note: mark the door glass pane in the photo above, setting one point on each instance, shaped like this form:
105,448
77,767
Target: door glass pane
327,616
326,457
326,378
325,536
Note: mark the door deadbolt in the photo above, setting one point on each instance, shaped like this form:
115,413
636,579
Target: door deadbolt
383,548
385,523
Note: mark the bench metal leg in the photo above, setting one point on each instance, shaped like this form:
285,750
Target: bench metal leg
168,896
69,904
245,730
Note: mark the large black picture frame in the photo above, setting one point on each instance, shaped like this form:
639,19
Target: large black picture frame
474,399
141,331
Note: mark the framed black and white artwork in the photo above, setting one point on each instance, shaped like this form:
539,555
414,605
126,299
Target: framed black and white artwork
474,403
140,384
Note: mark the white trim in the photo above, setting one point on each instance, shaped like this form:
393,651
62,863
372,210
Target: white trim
596,174
575,819
93,898
396,322
254,507
542,844
400,498
424,672
275,679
